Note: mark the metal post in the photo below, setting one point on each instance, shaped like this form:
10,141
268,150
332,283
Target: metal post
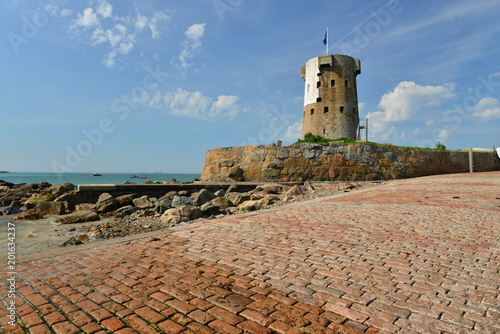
471,162
366,129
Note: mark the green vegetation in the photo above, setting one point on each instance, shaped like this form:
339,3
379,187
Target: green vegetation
310,138
440,147
44,197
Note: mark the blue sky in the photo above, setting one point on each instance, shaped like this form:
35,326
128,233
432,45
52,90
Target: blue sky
150,85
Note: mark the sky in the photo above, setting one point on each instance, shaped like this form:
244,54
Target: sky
151,85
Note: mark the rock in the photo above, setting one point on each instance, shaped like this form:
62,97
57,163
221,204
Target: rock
220,193
250,206
171,219
143,202
85,207
256,195
232,188
203,196
78,217
190,212
270,199
127,210
10,210
235,173
49,208
125,199
222,202
283,153
29,216
163,205
168,195
181,201
344,186
308,185
180,214
295,190
4,189
106,203
270,188
238,198
209,209
183,193
76,240
58,189
68,186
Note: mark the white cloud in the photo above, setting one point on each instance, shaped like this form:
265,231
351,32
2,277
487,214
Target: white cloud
87,19
445,133
196,105
294,131
194,35
404,103
104,9
408,98
487,109
195,32
66,12
225,104
117,33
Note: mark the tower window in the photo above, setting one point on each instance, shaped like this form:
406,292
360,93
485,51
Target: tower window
341,109
324,131
325,110
318,99
347,83
353,110
312,111
332,83
318,84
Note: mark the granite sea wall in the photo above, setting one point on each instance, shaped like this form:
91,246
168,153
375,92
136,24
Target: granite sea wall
336,162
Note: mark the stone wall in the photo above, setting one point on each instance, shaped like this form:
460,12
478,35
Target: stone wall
323,162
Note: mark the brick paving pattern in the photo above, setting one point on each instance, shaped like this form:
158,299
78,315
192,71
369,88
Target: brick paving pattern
413,256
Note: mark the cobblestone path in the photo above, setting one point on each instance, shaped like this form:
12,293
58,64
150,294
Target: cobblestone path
413,256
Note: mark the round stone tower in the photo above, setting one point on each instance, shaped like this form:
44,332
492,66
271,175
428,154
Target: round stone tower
331,98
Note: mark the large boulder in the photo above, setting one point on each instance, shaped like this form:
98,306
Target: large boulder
180,214
59,189
106,203
220,193
44,208
124,200
168,195
295,190
222,202
78,217
250,206
143,202
178,201
210,209
163,205
270,188
238,198
203,196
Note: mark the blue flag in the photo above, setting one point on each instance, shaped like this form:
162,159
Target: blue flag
325,40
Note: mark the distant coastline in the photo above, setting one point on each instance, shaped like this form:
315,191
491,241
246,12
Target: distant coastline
87,178
3,172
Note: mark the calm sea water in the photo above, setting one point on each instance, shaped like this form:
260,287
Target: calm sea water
87,178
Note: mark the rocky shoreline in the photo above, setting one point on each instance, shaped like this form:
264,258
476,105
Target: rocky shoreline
43,208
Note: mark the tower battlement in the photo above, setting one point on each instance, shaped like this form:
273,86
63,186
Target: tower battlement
330,97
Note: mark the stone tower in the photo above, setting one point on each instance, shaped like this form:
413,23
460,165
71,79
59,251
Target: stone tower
331,98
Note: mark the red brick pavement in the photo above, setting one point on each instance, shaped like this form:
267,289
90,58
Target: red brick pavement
413,256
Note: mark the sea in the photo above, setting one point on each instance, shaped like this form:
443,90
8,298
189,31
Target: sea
89,178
